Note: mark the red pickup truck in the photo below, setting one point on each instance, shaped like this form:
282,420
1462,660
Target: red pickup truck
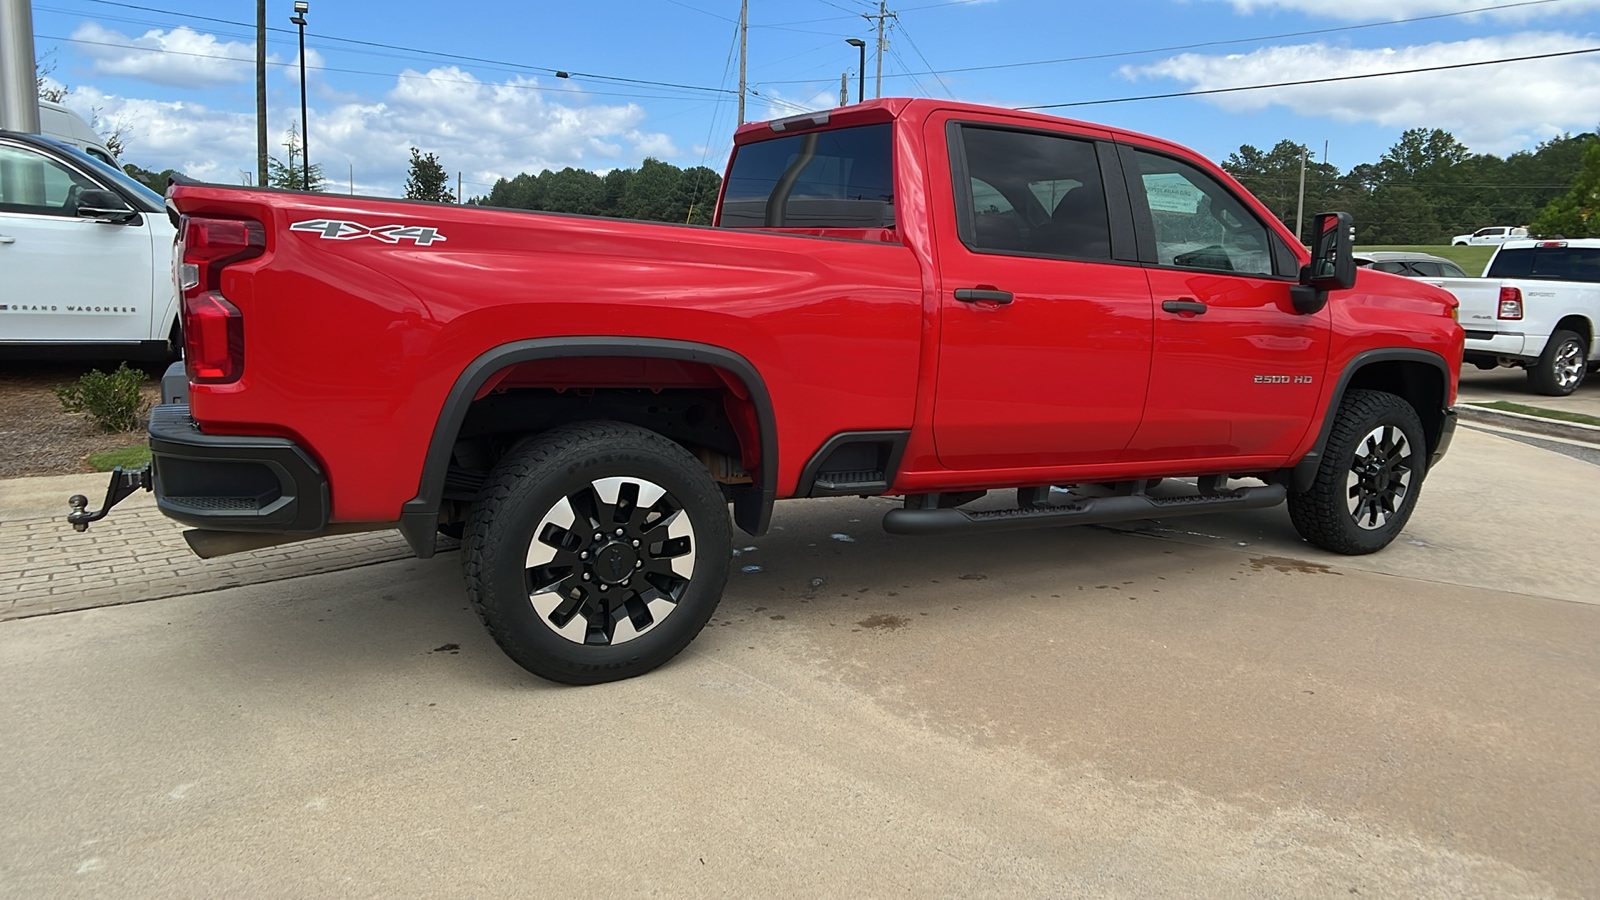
904,297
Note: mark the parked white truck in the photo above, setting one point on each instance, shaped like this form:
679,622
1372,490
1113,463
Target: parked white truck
85,257
1487,237
1535,308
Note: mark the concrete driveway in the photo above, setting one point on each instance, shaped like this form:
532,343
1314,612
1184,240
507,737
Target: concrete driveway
1203,708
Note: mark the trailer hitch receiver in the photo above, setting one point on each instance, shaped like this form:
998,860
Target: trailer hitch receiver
124,482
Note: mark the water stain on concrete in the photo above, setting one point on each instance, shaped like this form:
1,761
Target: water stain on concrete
1284,564
884,622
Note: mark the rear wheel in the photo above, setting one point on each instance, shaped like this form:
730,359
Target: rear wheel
1367,483
1562,365
597,552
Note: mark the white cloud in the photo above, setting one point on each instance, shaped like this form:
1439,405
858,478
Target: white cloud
1493,109
1388,10
180,57
484,130
314,62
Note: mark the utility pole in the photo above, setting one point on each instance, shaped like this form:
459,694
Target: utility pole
19,80
744,26
844,88
883,44
459,199
1300,205
261,93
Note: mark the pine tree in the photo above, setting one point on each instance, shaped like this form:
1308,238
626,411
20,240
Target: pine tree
292,176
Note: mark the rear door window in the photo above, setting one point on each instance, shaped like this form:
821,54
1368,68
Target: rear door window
1035,194
842,178
1548,263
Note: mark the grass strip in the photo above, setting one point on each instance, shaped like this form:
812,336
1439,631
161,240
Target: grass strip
126,457
1558,414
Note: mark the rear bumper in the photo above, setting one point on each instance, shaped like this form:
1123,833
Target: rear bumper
1500,344
231,482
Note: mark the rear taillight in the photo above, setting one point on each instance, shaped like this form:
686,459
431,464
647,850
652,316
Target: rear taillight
213,328
1510,303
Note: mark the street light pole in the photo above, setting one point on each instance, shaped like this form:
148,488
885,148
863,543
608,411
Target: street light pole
301,7
861,70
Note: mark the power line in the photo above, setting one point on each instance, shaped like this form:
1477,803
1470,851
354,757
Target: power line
918,51
433,53
1329,80
402,75
1220,43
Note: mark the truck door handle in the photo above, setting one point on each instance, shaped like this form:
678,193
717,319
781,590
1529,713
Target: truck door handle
7,239
980,295
1184,306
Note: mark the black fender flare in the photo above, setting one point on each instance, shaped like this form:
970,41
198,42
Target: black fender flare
1304,472
752,504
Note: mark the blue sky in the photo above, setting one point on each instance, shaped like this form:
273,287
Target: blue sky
182,88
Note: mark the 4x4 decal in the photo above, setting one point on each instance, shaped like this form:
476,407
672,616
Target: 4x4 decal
335,230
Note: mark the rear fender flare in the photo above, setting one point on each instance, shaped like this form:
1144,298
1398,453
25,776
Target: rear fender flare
752,505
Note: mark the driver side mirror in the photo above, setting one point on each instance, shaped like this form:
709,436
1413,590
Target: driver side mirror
104,206
1333,262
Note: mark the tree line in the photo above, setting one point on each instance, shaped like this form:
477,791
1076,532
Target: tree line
656,191
1429,187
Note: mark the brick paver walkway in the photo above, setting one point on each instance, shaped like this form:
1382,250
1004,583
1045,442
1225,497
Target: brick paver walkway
138,554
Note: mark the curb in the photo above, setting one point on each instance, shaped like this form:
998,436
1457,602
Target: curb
1572,431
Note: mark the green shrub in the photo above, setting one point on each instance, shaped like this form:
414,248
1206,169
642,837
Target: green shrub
112,401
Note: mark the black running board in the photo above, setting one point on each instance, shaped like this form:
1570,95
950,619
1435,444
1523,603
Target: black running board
1091,511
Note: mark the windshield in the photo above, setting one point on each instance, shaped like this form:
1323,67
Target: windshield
142,197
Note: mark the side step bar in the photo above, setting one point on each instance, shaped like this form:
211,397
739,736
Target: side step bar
1092,511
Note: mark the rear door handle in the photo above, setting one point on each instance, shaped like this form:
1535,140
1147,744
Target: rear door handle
983,295
1184,306
7,239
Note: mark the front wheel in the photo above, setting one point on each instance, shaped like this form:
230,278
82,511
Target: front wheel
1562,365
596,552
1367,482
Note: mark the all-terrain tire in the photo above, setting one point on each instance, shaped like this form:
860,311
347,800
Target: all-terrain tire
1561,366
596,552
1370,474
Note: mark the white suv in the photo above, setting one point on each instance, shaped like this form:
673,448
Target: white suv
1494,234
86,256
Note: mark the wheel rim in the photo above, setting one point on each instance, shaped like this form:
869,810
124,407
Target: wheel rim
1380,477
610,561
1569,365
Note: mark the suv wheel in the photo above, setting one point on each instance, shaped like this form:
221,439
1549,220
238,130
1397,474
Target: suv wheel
1367,483
596,552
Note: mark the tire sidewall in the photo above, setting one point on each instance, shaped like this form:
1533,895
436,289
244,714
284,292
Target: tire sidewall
1400,415
509,530
1546,382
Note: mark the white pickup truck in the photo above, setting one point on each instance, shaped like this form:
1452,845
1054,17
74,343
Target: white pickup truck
1486,237
85,257
1535,308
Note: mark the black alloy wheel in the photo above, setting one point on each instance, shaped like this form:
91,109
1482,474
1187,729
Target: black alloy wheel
597,551
1370,473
